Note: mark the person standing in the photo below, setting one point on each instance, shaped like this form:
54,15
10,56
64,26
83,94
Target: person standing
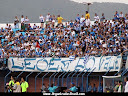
16,87
59,18
87,17
26,23
22,23
47,18
120,89
16,22
11,84
94,88
24,85
126,85
102,18
41,20
96,18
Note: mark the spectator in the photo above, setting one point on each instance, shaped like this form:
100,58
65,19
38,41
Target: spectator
26,23
16,22
52,88
22,23
94,88
96,18
41,20
87,17
89,88
102,18
72,89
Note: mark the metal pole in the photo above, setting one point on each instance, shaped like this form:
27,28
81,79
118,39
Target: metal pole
103,84
99,82
43,78
78,76
107,72
73,75
5,80
59,77
63,77
36,78
68,76
54,78
87,79
124,72
28,76
50,79
20,74
83,78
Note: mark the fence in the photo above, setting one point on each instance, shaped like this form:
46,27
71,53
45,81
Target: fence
63,79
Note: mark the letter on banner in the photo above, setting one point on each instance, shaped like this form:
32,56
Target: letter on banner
90,64
54,64
29,63
80,64
65,65
42,64
16,64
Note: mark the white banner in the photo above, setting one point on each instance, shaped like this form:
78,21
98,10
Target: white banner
126,63
101,64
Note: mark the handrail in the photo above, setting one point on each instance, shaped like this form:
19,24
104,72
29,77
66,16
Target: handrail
107,72
5,80
54,78
78,76
63,77
20,74
72,76
59,77
28,76
87,79
83,78
50,79
36,78
43,78
68,76
124,72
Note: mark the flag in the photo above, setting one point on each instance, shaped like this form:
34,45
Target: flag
86,58
37,45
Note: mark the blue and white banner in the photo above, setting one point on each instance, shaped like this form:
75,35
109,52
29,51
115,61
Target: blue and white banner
102,64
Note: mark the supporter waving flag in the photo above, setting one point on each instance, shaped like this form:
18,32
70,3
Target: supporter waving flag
86,58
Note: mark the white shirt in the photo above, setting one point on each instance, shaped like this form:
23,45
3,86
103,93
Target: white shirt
126,87
82,19
22,20
121,15
26,21
119,89
47,17
96,18
41,19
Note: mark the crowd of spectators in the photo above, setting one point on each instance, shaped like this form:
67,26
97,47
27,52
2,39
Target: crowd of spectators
76,37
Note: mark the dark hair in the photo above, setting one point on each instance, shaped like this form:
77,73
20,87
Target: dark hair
23,78
119,81
127,78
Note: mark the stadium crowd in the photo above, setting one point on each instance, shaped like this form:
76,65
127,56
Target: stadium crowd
74,38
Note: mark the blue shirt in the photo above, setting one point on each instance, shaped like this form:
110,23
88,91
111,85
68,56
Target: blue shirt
73,89
52,89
